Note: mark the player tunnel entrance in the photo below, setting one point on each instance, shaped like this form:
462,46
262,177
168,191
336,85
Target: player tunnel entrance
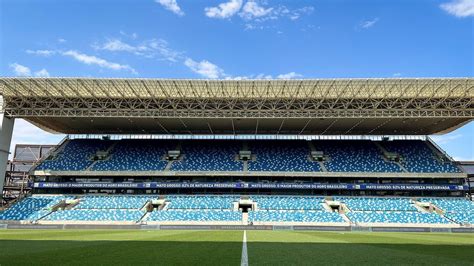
245,204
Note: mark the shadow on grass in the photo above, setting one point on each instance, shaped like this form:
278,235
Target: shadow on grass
59,252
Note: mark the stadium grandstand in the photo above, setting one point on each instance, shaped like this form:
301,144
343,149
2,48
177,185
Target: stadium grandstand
335,153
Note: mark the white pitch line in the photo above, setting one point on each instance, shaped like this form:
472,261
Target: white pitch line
245,257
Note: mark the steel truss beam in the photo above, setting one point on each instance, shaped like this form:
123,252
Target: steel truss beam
93,107
449,100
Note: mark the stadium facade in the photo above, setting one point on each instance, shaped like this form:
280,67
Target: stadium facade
290,152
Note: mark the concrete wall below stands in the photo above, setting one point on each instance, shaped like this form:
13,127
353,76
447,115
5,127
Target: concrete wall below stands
112,224
18,225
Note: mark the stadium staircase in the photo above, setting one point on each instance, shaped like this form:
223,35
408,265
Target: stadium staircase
52,152
60,147
440,154
170,162
384,151
108,151
245,218
346,219
144,217
245,147
321,164
442,213
420,208
14,201
341,207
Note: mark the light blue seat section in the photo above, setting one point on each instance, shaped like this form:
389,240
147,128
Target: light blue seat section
452,204
75,156
295,216
201,202
113,202
461,217
281,156
31,208
95,215
403,217
209,155
460,210
417,157
354,156
136,155
288,202
195,215
377,204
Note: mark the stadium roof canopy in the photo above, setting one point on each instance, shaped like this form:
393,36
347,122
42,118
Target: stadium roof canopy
176,106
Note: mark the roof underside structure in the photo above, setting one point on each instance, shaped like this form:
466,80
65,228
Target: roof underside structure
180,106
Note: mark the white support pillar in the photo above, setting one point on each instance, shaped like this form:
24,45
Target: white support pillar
6,131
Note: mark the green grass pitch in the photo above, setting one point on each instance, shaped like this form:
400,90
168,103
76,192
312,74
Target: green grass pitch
119,247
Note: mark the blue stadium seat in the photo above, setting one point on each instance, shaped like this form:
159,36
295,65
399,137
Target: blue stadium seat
270,155
288,202
461,217
295,216
377,204
460,210
401,217
417,157
75,156
220,208
281,156
201,202
136,155
113,202
32,208
354,156
195,215
207,155
96,215
451,204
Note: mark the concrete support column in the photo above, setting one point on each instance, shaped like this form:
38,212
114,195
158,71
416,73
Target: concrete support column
6,131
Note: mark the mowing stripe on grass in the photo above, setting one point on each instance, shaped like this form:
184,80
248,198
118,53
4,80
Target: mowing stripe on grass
244,261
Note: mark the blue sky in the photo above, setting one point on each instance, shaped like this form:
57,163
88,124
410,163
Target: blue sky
239,39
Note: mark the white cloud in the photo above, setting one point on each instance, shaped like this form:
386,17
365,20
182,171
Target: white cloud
24,71
132,36
61,40
237,78
41,52
263,76
42,73
297,13
463,159
443,139
20,70
397,74
290,75
151,49
93,60
160,48
172,6
459,8
224,10
255,14
204,68
116,45
252,10
368,23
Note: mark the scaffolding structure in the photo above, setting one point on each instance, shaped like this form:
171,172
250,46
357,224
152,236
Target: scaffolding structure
17,175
